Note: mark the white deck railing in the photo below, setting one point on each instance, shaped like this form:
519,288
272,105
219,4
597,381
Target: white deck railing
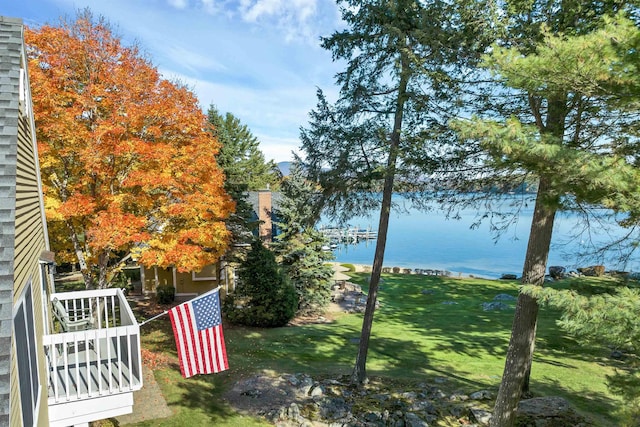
101,361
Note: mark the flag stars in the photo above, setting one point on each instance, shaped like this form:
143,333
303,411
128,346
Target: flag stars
207,311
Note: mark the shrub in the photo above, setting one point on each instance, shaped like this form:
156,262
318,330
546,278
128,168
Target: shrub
122,281
263,297
166,294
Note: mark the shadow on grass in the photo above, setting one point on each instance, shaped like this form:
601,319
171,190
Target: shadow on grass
418,334
196,401
599,407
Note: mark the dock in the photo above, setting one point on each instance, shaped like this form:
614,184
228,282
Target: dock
348,235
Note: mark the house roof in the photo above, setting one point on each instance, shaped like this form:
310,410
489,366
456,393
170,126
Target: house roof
11,50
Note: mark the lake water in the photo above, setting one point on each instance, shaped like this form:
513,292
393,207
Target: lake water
419,239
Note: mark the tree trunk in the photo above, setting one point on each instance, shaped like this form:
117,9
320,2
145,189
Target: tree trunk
523,332
103,270
359,375
556,116
86,273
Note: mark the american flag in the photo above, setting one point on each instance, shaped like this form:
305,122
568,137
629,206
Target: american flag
197,327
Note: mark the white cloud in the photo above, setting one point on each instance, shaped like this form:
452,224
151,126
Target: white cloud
291,16
243,67
211,7
278,149
178,4
274,115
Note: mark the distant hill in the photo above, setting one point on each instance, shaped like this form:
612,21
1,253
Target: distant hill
284,167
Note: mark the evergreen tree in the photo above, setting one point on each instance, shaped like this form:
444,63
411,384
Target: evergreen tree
240,157
245,169
300,245
609,319
385,131
564,80
263,296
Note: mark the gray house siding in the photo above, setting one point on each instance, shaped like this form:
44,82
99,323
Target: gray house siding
22,240
10,50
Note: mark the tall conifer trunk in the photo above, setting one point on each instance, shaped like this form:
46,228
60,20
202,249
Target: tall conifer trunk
517,369
523,332
359,375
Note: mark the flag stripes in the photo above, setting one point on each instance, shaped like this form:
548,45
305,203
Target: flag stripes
197,327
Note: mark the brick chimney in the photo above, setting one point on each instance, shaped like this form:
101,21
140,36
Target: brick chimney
264,215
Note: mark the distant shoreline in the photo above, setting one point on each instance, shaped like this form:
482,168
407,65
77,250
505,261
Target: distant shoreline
366,268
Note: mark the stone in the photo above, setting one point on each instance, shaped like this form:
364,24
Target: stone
481,395
439,394
616,354
428,292
594,270
482,416
458,397
305,383
494,306
292,379
335,403
413,420
409,395
457,411
316,391
334,408
504,297
557,271
508,277
252,393
293,412
372,417
551,406
423,406
550,411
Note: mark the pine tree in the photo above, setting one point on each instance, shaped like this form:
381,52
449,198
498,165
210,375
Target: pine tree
565,124
245,169
240,157
263,297
300,245
609,319
386,130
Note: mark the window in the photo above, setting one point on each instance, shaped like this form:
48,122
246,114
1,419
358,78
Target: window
207,273
24,336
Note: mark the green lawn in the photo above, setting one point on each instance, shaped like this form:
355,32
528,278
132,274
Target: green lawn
416,337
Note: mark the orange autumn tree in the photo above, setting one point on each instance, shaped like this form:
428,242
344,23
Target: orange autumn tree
126,160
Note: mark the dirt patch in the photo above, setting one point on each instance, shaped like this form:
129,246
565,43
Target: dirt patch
263,392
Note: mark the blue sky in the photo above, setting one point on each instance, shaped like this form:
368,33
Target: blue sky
258,59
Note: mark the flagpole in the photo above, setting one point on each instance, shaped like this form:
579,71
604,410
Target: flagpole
154,317
167,311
